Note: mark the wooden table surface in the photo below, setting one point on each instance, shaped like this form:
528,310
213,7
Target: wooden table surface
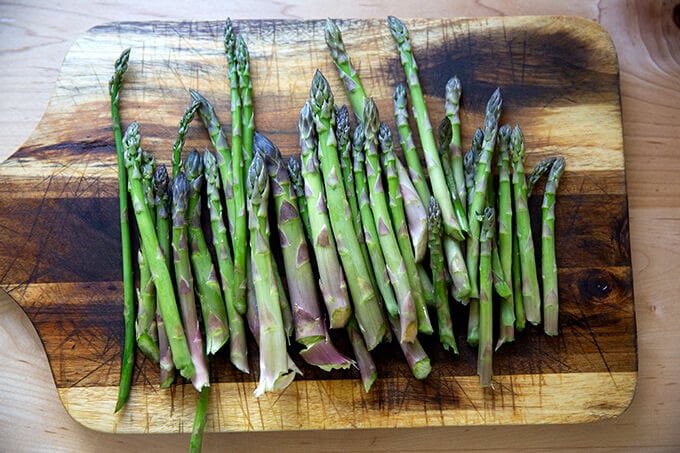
36,34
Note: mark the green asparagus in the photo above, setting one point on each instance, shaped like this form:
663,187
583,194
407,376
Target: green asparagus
452,108
182,129
485,348
245,85
505,233
549,261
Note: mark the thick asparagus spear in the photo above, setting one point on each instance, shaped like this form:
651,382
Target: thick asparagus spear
485,351
349,77
549,262
505,221
396,267
275,373
152,250
240,233
366,306
127,364
396,211
245,85
441,296
182,129
434,169
416,213
367,368
161,184
238,347
310,327
531,295
331,276
185,280
452,108
413,351
207,284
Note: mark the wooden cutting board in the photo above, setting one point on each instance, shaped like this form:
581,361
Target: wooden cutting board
60,244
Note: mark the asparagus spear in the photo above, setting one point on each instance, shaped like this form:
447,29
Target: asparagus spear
161,184
245,85
470,164
407,146
452,108
445,134
396,211
196,441
275,373
240,233
367,368
531,296
538,171
413,351
238,347
483,174
298,185
505,220
549,262
152,250
366,307
437,181
331,276
120,67
207,284
371,237
185,280
444,322
485,351
182,129
310,328
348,75
416,214
520,316
395,263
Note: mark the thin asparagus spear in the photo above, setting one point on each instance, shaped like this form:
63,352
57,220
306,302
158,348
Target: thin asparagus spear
416,213
145,324
120,67
152,250
367,368
310,328
185,280
366,307
331,276
485,351
520,316
240,233
434,169
371,237
549,262
161,184
538,171
505,220
196,441
396,210
208,286
413,351
452,108
395,263
275,373
407,146
441,296
531,296
445,134
245,85
349,77
238,347
182,129
470,164
298,185
483,175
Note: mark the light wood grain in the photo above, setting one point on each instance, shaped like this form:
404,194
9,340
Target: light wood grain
646,39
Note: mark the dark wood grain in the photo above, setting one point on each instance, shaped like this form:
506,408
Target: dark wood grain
559,77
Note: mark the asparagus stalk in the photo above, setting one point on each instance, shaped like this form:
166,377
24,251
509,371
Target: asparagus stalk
367,368
470,165
434,169
298,185
275,373
395,263
539,170
152,250
120,67
482,177
396,211
520,316
310,329
371,237
549,261
196,441
182,129
457,269
161,184
445,134
331,276
407,145
444,322
185,280
452,108
413,351
240,232
416,214
473,323
505,219
485,348
531,296
346,71
366,307
245,85
208,286
238,347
